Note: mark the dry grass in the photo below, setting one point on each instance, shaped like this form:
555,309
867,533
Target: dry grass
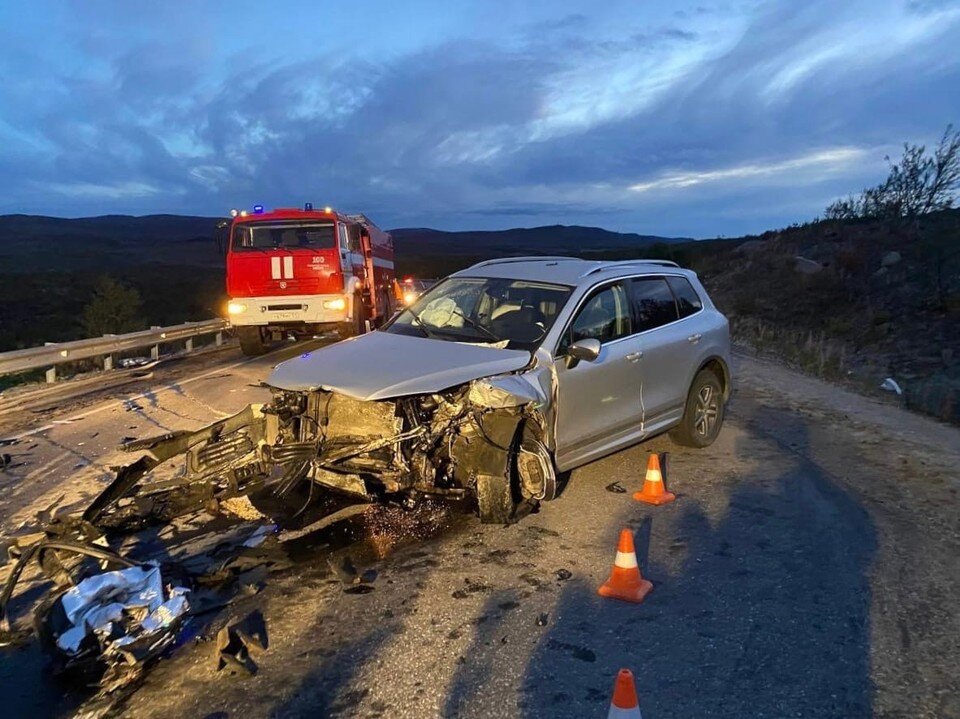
812,352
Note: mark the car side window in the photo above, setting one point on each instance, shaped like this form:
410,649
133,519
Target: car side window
688,301
605,316
653,303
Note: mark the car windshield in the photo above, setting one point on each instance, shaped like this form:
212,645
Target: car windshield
288,235
515,314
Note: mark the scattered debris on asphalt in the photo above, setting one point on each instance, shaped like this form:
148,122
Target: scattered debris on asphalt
236,644
122,618
542,619
162,546
616,488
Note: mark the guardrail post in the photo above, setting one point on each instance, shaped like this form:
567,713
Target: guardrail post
107,363
189,344
52,375
155,352
219,338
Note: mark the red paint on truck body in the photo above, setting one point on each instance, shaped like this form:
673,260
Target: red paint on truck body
275,272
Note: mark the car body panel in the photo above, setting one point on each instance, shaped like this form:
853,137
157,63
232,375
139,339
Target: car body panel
598,403
591,408
381,365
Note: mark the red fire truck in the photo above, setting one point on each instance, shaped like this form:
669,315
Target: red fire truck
303,272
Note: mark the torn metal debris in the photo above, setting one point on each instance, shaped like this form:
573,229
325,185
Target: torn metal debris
297,464
123,618
237,643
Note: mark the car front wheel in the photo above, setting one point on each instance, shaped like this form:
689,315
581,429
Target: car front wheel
703,412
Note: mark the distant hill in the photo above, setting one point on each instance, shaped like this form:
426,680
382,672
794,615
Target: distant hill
49,265
32,243
548,240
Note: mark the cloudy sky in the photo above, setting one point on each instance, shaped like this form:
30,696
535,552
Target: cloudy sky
696,119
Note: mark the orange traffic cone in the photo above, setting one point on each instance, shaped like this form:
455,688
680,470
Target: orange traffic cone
653,491
624,704
625,581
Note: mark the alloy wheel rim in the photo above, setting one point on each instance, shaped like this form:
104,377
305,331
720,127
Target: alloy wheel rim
707,411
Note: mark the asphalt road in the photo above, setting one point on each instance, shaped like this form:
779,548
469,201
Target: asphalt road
809,568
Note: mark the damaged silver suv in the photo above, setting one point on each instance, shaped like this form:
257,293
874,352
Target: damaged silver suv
492,383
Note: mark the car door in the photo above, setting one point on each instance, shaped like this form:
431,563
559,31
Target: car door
598,402
666,351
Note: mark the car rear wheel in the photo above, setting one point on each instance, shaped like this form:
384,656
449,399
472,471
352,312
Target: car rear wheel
703,412
253,340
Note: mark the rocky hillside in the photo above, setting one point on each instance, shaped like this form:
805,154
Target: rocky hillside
858,301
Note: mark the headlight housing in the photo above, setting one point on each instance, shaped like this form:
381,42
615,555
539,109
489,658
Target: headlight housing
338,304
235,308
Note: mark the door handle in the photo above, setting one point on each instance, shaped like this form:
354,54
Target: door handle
634,356
694,338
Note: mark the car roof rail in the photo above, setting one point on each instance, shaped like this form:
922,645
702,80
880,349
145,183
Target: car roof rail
529,258
623,264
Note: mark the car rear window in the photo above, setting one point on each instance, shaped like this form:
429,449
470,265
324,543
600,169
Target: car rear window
653,302
688,301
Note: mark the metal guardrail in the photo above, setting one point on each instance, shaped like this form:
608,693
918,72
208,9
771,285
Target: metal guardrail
58,353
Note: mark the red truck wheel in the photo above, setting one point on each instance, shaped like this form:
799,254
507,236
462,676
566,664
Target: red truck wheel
356,326
253,341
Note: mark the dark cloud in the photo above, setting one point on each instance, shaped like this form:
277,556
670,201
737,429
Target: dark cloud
718,120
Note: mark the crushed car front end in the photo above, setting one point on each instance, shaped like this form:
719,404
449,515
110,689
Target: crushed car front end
483,440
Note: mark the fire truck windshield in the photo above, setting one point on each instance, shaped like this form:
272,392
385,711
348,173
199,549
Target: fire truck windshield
287,235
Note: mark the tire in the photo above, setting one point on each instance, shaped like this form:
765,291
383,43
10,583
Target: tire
355,326
252,341
702,414
494,499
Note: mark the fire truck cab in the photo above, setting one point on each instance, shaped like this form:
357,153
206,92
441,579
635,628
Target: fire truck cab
302,272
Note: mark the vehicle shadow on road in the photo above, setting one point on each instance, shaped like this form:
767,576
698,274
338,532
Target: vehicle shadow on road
763,612
478,666
320,693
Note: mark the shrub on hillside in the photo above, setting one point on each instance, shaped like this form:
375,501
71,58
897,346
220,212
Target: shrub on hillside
114,309
920,183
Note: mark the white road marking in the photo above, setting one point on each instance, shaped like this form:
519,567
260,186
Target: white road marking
43,468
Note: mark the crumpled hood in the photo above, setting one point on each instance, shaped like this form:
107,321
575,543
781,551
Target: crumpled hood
381,365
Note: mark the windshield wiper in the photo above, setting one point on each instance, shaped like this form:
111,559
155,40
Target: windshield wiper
476,325
420,324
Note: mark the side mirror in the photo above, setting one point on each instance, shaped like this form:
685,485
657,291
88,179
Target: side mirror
586,349
222,235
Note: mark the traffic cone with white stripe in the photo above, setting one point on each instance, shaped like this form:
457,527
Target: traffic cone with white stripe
625,581
653,491
624,704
